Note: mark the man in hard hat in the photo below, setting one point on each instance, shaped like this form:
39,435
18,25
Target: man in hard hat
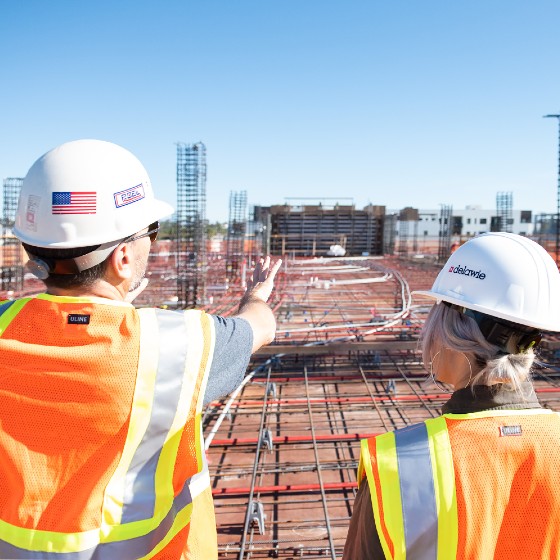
101,451
481,481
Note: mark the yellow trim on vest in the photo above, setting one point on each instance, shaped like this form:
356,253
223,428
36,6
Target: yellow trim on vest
181,521
388,472
164,471
141,411
8,315
209,336
365,465
444,486
208,329
47,541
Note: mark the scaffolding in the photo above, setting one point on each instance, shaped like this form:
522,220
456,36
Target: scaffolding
444,246
191,225
236,234
504,206
11,264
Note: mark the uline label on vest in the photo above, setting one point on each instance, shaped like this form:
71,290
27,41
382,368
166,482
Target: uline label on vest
75,319
510,430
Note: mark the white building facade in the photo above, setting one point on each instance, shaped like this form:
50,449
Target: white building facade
471,221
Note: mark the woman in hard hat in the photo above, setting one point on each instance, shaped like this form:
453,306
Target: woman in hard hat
481,481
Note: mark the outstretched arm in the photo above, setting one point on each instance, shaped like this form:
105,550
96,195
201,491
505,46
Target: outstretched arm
253,307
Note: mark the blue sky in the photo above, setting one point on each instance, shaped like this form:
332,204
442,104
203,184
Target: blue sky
399,103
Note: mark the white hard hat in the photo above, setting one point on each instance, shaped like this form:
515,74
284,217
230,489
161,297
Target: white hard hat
83,193
503,275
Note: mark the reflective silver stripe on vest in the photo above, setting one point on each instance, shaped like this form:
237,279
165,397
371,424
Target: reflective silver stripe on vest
130,549
140,491
417,492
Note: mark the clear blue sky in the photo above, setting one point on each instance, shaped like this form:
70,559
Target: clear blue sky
393,102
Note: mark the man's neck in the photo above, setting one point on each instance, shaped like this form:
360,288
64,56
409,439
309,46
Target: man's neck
100,289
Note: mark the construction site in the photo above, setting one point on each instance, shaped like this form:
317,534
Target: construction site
283,448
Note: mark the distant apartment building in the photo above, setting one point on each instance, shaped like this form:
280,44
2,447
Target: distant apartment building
472,220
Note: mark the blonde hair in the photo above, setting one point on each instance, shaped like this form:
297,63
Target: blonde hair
445,327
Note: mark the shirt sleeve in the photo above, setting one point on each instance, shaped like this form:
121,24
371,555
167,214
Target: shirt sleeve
362,542
232,352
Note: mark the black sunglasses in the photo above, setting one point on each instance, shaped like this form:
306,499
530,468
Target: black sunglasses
152,233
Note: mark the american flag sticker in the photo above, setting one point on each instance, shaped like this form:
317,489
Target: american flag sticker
74,202
128,196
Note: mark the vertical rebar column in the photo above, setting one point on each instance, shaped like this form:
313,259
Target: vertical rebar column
444,247
11,265
191,224
237,227
504,203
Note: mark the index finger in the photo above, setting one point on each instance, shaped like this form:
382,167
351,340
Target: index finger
274,270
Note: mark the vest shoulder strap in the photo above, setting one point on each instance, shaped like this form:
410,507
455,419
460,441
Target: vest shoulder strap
412,484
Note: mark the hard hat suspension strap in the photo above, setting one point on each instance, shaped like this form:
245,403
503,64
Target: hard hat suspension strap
499,331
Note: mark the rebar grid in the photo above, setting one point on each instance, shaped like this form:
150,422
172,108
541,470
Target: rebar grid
291,439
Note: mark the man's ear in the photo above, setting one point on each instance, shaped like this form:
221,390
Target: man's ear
121,261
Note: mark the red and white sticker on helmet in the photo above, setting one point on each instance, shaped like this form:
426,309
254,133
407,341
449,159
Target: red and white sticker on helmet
128,196
31,210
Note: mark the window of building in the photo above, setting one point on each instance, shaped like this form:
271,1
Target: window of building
483,220
468,220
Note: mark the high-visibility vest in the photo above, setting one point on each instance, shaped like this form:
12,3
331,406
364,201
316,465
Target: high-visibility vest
101,449
467,486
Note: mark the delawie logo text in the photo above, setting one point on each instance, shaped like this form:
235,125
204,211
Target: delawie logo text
467,272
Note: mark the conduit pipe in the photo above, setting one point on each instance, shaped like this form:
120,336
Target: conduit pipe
296,439
284,488
335,400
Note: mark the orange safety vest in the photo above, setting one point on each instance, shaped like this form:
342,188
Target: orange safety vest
101,449
478,486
